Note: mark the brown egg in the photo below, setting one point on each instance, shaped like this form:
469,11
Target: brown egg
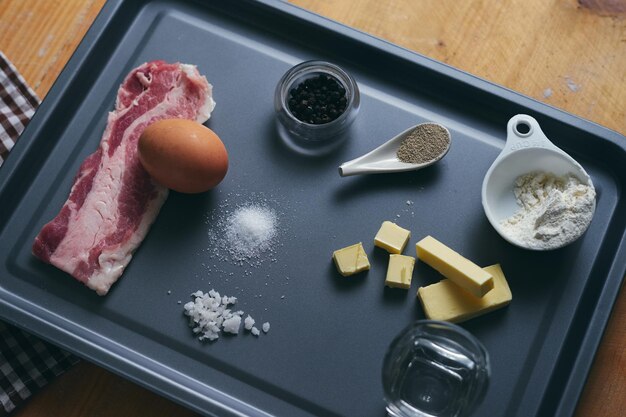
183,155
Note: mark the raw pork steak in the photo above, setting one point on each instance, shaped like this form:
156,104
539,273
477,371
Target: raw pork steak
113,201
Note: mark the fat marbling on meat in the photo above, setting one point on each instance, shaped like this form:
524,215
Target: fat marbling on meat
113,201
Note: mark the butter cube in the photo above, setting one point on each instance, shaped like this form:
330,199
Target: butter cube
351,260
400,271
392,237
447,301
450,264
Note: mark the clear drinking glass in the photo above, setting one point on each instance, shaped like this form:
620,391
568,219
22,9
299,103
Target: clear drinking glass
304,136
434,369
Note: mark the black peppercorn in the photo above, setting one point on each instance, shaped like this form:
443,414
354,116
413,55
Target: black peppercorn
318,100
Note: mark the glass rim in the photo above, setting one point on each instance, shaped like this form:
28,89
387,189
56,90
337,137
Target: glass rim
311,67
452,327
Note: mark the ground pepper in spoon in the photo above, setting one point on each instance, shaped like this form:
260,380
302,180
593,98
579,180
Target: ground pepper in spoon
425,143
415,148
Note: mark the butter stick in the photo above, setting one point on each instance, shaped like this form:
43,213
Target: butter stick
448,302
453,266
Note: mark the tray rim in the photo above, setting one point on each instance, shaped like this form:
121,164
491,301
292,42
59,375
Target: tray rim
14,310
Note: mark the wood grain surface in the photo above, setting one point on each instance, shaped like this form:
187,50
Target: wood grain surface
567,53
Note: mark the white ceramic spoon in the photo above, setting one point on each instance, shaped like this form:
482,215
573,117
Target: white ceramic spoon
527,149
384,159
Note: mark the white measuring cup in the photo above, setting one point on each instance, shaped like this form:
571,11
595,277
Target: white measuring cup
384,159
527,149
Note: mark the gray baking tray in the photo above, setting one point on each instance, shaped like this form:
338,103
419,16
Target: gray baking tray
324,351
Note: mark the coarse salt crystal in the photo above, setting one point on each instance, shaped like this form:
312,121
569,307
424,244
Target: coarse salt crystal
231,325
209,314
248,322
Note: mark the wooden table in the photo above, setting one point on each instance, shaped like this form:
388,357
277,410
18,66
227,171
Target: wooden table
567,53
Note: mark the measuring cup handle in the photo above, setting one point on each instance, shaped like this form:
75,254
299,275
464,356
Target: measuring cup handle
523,132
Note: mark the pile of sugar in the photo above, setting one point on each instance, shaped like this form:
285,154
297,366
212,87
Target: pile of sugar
209,314
245,234
249,231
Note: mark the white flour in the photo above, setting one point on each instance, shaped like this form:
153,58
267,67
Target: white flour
553,210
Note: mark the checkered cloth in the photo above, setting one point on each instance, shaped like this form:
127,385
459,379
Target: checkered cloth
26,363
17,106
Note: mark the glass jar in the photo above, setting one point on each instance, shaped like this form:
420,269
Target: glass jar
434,369
309,135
